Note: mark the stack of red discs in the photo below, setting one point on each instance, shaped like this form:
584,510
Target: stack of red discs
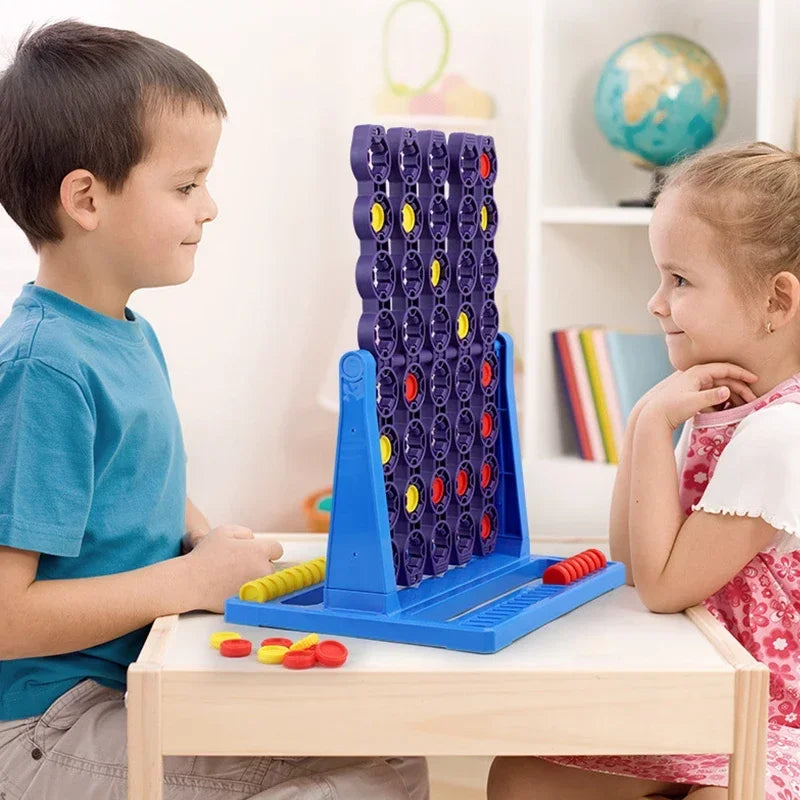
575,567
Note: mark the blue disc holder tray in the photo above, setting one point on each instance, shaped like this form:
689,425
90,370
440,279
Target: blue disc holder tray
480,607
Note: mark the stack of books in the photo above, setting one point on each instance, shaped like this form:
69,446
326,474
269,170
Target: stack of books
604,373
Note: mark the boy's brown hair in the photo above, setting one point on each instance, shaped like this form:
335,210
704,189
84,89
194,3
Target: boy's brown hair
78,96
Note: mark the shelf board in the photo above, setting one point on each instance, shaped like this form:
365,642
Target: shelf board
595,215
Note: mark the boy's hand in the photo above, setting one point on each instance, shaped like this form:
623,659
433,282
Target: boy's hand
225,558
191,538
701,387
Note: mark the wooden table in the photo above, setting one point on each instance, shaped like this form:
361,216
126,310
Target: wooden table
609,677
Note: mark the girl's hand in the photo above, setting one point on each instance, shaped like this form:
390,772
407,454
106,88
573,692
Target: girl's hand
703,386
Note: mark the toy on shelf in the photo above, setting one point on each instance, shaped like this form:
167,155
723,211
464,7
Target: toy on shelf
429,534
317,511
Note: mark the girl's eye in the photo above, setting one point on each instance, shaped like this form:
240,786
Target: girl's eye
679,281
187,189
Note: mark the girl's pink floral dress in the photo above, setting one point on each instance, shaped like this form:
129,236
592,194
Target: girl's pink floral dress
758,476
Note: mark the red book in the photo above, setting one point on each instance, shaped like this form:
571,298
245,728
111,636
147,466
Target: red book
571,386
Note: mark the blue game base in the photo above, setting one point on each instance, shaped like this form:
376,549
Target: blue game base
480,607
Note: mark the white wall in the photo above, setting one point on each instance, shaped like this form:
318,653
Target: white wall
249,337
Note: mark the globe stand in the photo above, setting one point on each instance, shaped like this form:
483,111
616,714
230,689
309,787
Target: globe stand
656,185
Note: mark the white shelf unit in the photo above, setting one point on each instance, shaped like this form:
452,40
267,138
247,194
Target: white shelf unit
589,260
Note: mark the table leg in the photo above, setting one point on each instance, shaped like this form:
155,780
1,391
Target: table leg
747,770
145,758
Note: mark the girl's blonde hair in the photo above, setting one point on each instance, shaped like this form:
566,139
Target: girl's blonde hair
750,195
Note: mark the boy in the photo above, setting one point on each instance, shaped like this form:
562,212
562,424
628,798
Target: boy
106,138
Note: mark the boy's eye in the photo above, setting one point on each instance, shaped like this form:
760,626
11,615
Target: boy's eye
187,189
679,280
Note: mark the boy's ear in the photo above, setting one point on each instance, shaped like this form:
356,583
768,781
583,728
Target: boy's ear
785,298
79,191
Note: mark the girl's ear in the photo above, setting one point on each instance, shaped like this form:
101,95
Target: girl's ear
784,299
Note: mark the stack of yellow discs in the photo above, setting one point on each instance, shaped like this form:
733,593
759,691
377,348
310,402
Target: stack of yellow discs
285,581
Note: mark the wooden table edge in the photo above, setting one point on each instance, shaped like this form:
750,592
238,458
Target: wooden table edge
747,770
143,700
747,765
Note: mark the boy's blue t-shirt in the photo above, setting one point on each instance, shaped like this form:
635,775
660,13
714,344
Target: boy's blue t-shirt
92,468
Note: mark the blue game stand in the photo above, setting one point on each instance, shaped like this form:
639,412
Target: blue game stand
429,534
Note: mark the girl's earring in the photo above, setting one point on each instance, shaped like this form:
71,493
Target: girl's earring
769,327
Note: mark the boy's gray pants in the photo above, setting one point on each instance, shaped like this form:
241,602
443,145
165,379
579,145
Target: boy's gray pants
77,750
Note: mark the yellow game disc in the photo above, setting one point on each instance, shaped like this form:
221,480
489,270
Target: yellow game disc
271,589
221,636
436,272
409,218
271,653
293,578
377,217
283,583
463,325
318,570
299,578
484,218
412,498
254,591
306,642
386,449
320,564
308,574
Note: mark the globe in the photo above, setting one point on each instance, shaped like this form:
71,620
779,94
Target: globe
660,98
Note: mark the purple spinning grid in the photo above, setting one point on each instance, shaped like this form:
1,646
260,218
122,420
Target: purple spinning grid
427,275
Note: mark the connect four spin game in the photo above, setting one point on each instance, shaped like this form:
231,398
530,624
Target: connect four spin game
429,535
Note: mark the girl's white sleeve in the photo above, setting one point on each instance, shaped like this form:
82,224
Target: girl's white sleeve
758,473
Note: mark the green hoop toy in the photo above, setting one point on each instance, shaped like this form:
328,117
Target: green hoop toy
401,89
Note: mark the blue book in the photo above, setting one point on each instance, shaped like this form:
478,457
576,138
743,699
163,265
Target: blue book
639,361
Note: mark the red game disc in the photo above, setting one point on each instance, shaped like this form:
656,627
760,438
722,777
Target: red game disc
600,555
486,475
331,653
437,490
300,659
587,561
278,640
485,166
236,648
595,559
486,374
571,569
412,387
580,566
556,573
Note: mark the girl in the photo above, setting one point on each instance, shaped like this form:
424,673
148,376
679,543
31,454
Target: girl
724,527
